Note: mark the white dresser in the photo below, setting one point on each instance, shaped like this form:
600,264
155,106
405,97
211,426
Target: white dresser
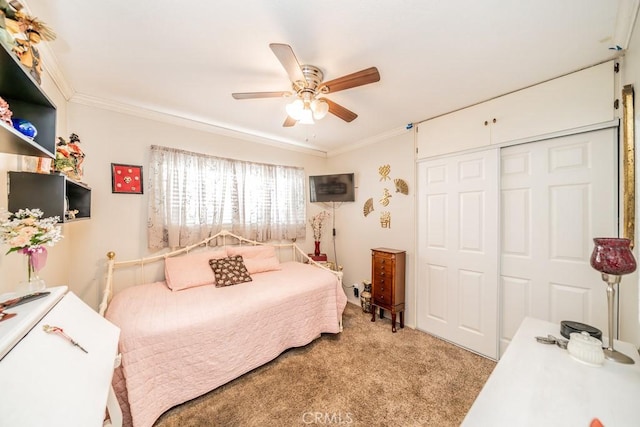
542,385
45,379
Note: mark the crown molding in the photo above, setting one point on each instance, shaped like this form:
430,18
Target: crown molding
193,123
51,66
369,141
625,22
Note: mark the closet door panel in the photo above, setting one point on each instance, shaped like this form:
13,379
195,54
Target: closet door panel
515,303
437,298
457,266
550,212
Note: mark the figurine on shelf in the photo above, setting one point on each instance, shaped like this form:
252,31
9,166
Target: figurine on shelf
71,214
5,112
69,157
28,32
8,13
29,55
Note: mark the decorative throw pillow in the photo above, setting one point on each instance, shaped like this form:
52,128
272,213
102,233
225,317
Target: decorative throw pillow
257,258
229,271
190,270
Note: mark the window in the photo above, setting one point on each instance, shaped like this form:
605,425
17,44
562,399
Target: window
193,196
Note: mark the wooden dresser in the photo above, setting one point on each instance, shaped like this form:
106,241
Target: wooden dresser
387,283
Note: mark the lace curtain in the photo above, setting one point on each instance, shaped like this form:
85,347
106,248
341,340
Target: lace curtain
193,196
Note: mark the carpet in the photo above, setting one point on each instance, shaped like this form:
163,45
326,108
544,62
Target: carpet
365,376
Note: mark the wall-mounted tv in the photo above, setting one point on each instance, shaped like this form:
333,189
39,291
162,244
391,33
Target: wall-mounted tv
332,188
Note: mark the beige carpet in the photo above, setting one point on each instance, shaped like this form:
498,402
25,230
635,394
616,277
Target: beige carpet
365,376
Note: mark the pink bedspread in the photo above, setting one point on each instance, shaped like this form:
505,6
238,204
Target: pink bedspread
179,345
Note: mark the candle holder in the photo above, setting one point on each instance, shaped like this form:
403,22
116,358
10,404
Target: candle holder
613,258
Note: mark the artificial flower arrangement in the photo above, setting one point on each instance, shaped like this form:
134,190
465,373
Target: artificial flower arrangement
27,232
317,221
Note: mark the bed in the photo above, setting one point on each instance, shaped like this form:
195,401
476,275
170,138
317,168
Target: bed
188,334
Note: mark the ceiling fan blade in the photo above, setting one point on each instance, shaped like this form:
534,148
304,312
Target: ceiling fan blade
339,111
252,95
289,121
287,58
363,77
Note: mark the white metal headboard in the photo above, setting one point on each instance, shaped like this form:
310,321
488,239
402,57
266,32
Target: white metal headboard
297,254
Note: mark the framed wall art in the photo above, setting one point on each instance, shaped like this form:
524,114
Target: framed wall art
629,165
126,179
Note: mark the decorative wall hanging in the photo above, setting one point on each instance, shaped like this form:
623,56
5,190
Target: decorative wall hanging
368,206
384,172
385,219
629,166
126,179
386,195
401,186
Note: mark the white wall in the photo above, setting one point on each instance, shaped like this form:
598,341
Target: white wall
356,234
119,221
629,288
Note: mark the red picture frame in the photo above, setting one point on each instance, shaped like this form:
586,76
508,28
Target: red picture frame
126,179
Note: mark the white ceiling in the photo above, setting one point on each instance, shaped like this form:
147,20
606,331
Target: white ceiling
184,59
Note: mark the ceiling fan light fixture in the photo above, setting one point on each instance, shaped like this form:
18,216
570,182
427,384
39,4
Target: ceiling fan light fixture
306,117
320,108
307,82
295,109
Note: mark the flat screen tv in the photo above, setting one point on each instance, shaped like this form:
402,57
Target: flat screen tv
332,188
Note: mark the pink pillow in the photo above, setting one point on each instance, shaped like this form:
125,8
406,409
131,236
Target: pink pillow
188,271
257,258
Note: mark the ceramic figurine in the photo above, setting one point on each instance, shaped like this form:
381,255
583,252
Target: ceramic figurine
27,32
69,157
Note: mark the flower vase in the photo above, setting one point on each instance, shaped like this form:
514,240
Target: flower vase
316,252
33,283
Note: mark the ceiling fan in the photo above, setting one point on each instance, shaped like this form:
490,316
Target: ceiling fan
308,86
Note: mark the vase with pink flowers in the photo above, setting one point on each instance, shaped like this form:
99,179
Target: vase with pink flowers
27,233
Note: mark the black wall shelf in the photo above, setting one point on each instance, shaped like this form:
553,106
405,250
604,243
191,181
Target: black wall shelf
27,101
49,193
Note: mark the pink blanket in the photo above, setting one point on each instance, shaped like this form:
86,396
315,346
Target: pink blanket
179,345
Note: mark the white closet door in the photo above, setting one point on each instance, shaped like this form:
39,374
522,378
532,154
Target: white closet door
556,195
457,249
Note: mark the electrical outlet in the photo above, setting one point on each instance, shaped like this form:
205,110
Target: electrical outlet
355,292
